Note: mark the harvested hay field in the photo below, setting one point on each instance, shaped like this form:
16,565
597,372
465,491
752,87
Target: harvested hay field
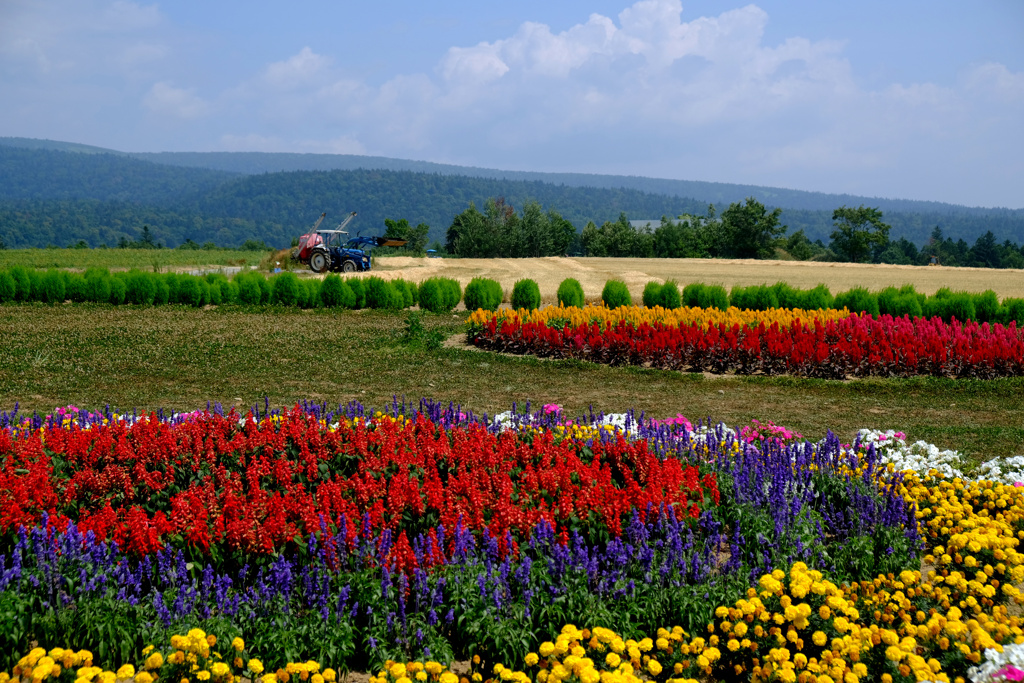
594,272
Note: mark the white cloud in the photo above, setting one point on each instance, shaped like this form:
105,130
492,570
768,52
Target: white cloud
302,69
182,103
995,80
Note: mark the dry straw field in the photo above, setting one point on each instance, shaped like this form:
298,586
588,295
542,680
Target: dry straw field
594,272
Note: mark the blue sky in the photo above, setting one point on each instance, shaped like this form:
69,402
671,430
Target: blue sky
921,100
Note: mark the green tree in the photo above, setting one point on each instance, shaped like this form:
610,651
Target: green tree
415,238
750,229
859,233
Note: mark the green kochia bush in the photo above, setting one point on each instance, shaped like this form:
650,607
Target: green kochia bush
858,300
616,294
652,294
381,293
1012,310
986,307
664,295
52,287
713,296
332,292
8,287
669,296
249,291
358,291
526,294
74,286
482,292
140,288
22,283
439,294
97,285
787,296
189,291
285,289
117,290
817,299
755,298
570,293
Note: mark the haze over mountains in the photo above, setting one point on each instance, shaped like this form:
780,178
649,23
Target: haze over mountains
57,193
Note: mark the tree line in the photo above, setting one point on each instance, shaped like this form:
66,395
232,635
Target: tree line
746,230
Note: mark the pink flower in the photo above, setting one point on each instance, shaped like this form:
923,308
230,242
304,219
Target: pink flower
1011,673
1018,484
552,408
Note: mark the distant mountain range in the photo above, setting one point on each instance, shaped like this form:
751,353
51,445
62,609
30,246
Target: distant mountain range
60,192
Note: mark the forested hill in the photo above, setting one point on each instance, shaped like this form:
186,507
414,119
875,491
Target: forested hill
48,174
706,192
250,163
51,197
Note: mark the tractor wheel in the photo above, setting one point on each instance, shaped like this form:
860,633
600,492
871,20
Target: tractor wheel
319,262
348,267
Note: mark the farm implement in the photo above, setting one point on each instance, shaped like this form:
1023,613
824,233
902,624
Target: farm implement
335,250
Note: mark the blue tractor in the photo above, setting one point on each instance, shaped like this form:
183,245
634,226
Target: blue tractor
334,250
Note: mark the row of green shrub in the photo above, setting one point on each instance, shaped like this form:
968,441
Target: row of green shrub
250,288
896,301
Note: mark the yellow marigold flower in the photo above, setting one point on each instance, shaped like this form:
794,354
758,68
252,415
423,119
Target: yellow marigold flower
125,672
203,675
819,638
220,669
532,659
238,644
397,670
449,677
144,677
404,679
255,666
154,661
330,675
212,640
317,678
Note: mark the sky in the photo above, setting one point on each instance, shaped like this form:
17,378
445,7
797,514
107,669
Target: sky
912,99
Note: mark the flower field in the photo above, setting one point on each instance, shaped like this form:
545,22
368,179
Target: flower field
828,344
312,541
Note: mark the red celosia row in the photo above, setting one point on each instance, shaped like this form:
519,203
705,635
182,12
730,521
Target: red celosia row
257,487
855,346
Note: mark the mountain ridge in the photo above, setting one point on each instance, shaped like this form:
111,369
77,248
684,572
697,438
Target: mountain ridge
253,163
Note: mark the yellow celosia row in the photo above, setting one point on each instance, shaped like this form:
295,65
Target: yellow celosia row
635,315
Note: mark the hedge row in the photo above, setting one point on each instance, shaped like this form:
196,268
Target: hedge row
894,301
250,288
